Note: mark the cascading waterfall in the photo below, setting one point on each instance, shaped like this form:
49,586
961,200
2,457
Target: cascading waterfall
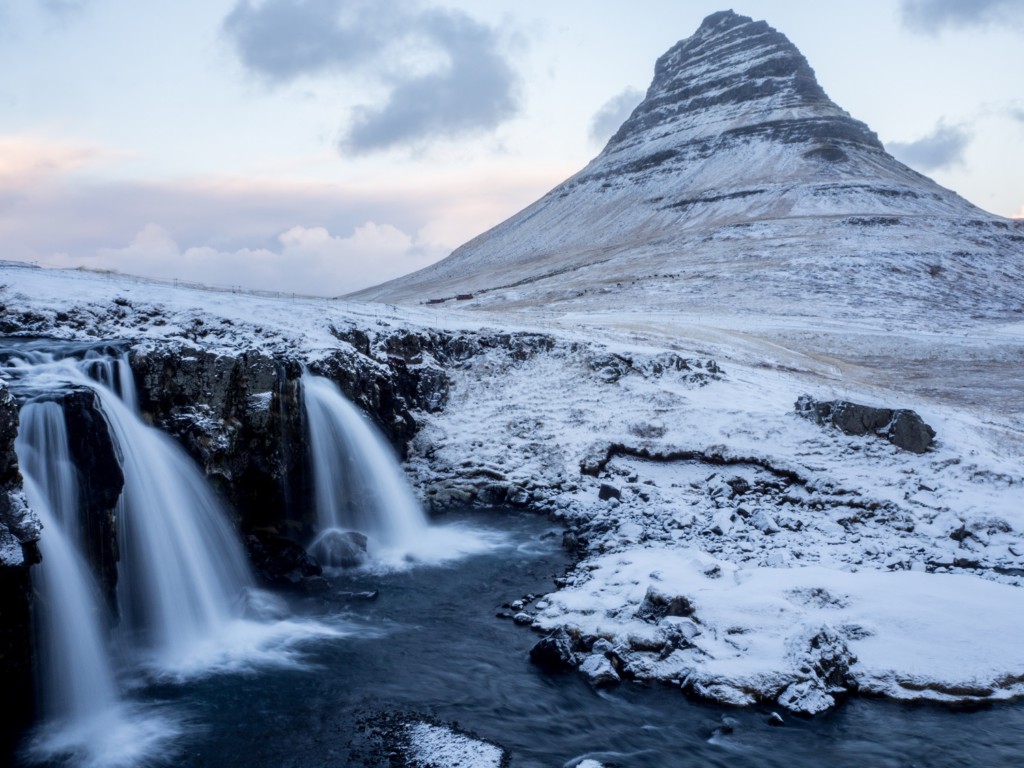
358,484
76,679
182,571
85,718
184,588
359,487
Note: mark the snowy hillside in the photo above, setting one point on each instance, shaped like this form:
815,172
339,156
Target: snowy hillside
738,185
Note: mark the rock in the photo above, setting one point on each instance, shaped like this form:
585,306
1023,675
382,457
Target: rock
608,491
903,428
908,431
19,533
339,549
775,720
823,661
557,652
280,562
523,618
599,671
656,605
100,481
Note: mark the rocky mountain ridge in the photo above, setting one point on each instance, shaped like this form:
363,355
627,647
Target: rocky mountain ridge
737,182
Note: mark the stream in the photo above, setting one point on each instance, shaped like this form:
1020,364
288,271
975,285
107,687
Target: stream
431,645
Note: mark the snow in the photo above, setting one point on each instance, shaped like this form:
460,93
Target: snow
913,635
435,746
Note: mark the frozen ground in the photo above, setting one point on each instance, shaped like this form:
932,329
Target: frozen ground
743,553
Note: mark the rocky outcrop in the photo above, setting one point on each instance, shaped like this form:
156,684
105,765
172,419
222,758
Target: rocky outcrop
241,416
100,481
903,428
19,534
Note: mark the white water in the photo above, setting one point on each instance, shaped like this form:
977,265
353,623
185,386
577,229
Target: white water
182,572
84,716
184,588
359,486
75,674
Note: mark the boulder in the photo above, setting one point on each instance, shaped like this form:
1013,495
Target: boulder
339,549
656,605
902,427
557,652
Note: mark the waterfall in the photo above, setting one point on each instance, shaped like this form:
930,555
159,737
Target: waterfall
359,488
76,679
182,571
358,484
85,720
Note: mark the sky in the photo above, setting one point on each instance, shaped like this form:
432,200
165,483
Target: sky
321,146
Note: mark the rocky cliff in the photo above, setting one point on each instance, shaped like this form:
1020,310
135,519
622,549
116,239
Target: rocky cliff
19,536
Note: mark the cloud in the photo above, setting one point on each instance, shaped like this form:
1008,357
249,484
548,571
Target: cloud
942,148
25,159
608,118
305,260
931,16
440,73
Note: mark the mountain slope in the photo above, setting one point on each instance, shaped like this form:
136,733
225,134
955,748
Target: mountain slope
738,183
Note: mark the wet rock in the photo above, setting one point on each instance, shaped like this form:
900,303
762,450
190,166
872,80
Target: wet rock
557,652
339,549
100,481
280,562
775,720
19,534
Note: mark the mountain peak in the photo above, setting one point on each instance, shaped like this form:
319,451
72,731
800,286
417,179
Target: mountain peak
736,182
736,72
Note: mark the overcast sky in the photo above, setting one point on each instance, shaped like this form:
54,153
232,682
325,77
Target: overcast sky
320,146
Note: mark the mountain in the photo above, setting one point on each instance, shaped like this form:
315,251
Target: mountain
738,185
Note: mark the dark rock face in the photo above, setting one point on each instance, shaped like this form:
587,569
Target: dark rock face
557,652
100,481
734,62
19,533
903,428
239,417
280,562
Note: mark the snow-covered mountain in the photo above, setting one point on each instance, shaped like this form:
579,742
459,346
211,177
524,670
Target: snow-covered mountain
737,183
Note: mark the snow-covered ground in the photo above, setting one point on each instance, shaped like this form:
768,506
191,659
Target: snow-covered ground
742,552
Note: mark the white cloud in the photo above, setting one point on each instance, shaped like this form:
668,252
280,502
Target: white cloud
306,260
613,114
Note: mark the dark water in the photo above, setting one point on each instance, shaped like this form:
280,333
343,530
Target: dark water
431,644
